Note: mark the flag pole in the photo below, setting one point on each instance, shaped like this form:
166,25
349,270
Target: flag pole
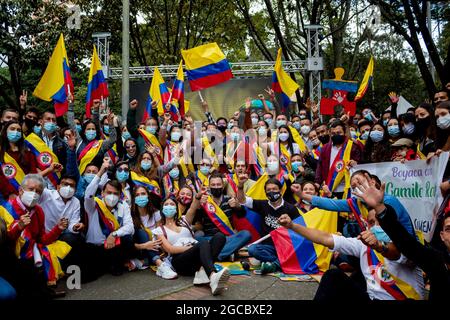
200,95
260,240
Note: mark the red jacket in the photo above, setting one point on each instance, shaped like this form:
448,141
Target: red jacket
36,228
323,165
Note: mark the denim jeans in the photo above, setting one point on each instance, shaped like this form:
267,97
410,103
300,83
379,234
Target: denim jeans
142,237
233,243
7,292
264,253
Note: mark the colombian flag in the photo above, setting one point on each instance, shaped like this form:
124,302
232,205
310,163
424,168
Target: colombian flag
252,222
367,80
158,92
56,82
298,255
97,87
206,66
178,90
282,82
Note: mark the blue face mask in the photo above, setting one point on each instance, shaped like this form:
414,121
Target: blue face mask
296,125
394,131
174,173
14,136
122,175
235,136
90,134
88,177
376,136
169,211
385,122
78,126
280,123
37,130
175,136
364,136
126,135
145,165
230,125
50,127
152,130
106,129
204,170
269,121
296,166
408,128
368,117
141,201
262,131
379,233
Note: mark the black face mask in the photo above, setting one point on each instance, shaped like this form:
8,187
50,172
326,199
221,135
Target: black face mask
216,192
324,139
30,123
222,128
273,196
339,139
423,124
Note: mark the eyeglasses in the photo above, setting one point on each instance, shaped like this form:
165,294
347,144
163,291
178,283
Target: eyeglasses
123,170
130,146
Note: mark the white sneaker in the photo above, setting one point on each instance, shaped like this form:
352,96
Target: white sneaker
218,281
201,277
165,271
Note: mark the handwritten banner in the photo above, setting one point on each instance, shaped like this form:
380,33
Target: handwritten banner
416,185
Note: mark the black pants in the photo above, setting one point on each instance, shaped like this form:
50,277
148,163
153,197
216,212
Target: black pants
337,286
203,253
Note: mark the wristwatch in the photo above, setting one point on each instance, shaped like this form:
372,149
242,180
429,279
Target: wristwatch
384,247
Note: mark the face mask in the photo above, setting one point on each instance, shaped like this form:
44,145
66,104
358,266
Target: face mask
141,201
106,129
169,211
216,192
14,136
204,170
152,130
262,131
364,136
90,134
443,122
302,116
50,127
185,200
78,126
30,123
146,164
37,130
222,128
385,122
235,136
281,123
306,202
174,173
376,136
394,131
269,121
111,200
89,177
315,142
423,124
408,128
67,192
402,153
230,125
255,121
324,139
353,134
272,167
379,233
175,136
126,135
305,130
296,166
273,196
66,140
284,136
368,117
296,125
29,198
122,175
338,139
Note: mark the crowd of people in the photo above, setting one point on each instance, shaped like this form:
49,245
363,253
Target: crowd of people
113,196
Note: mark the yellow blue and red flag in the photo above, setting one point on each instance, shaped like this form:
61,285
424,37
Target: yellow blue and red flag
367,80
56,83
206,66
158,92
97,86
299,255
178,91
283,83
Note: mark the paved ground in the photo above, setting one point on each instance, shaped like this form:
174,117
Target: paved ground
145,285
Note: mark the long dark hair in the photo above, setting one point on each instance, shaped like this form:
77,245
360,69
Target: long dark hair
83,129
152,174
175,218
149,208
290,140
5,142
377,152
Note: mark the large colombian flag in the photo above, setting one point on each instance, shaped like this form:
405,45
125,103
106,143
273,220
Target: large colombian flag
56,82
97,86
298,255
206,66
367,80
282,82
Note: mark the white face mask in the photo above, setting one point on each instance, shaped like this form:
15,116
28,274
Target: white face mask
284,136
29,198
272,167
443,122
67,192
305,130
111,200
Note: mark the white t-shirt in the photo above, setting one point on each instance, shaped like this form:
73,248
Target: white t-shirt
399,268
177,239
150,222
